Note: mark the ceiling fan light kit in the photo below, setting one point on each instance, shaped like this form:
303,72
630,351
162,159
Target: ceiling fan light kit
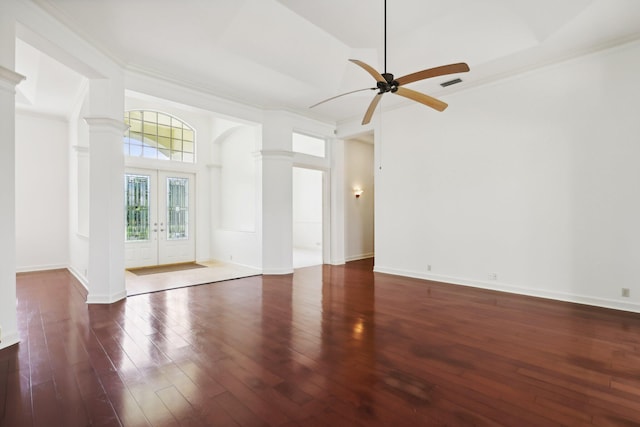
386,82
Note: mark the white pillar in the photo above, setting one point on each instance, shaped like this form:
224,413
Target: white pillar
337,202
106,215
277,194
8,314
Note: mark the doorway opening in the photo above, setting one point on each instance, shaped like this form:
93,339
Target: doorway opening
308,231
359,203
159,218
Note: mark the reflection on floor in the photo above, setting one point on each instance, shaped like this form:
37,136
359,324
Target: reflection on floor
215,271
306,257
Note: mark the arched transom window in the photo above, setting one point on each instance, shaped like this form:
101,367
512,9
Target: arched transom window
155,135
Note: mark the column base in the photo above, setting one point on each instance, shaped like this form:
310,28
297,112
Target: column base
106,299
9,340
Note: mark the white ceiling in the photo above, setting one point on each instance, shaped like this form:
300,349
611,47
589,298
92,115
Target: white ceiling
290,54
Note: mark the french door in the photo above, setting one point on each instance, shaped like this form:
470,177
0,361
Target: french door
159,218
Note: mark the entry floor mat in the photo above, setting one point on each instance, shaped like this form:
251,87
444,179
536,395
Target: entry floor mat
143,271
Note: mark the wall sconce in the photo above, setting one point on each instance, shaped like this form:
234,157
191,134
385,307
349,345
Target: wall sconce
358,192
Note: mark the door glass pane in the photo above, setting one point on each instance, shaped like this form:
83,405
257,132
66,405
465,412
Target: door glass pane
177,208
136,200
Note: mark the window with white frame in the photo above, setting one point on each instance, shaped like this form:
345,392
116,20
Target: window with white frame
156,135
310,145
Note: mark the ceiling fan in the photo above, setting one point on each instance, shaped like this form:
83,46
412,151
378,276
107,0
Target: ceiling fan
386,82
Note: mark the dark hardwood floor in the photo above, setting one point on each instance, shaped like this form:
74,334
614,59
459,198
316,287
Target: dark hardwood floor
328,346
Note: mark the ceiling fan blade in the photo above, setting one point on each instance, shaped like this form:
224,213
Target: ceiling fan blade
422,98
369,69
433,72
371,109
342,94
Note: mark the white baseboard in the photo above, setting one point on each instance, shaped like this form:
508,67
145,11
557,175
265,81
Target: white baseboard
277,271
106,299
32,268
504,287
79,277
9,339
359,257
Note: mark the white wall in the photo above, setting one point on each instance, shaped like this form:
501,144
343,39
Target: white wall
359,212
534,178
238,180
42,197
78,152
307,208
235,195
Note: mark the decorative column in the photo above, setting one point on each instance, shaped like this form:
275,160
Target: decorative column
8,314
106,216
337,202
277,212
277,194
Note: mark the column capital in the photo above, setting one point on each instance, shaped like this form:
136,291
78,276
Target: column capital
101,123
80,149
276,154
9,79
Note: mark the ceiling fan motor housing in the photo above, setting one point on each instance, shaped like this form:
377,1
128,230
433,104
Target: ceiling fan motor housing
389,85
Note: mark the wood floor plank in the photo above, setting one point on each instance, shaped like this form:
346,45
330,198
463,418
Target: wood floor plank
326,346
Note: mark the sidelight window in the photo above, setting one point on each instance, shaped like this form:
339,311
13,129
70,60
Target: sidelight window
177,208
136,194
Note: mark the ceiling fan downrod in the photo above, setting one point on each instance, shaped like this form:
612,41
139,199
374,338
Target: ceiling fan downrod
385,40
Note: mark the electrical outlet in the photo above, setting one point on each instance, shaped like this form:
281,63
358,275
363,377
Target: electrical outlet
0,333
493,276
429,267
626,292
230,257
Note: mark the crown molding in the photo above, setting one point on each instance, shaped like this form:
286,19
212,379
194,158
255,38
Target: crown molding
9,79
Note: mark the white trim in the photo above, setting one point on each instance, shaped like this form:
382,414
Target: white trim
80,149
81,95
9,79
106,124
79,278
276,271
28,111
45,267
276,154
359,257
9,340
106,299
159,164
504,287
